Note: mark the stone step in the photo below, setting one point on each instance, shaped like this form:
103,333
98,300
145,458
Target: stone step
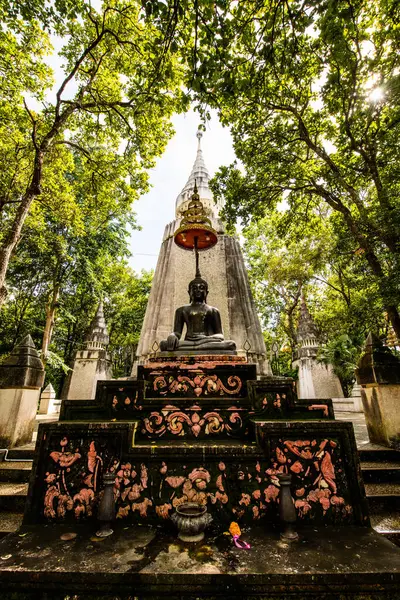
383,497
13,496
375,453
15,471
388,524
346,405
374,490
22,453
52,418
380,472
10,522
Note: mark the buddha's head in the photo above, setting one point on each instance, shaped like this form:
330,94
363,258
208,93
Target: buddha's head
198,290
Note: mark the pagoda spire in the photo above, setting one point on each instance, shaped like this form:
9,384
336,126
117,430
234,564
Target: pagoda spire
199,135
92,362
306,329
200,175
98,334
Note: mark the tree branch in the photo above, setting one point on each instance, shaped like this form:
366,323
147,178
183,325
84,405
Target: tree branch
34,125
340,291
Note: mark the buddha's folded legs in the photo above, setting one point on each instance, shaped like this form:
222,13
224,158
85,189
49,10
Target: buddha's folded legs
207,342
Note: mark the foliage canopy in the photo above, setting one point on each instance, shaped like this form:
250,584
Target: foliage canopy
310,92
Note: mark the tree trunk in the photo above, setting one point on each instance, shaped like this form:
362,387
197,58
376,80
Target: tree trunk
20,320
50,321
391,309
394,318
290,314
12,238
374,264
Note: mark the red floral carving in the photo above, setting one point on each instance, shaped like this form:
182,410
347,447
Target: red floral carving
134,492
328,471
175,481
152,423
163,510
323,407
222,497
337,501
201,381
65,459
52,494
303,506
219,483
83,502
123,511
200,473
245,499
143,475
271,493
297,467
92,454
315,468
142,507
280,456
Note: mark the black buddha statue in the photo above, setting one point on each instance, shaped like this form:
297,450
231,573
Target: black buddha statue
203,325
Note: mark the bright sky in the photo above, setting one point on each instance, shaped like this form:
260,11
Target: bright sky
157,208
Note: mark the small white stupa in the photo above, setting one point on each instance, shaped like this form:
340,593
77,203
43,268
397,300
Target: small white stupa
92,363
316,380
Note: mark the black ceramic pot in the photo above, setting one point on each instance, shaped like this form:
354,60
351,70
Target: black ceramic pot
191,520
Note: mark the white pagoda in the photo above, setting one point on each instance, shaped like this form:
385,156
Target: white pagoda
222,266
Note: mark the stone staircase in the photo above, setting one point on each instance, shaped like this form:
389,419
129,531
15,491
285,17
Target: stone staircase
15,470
381,473
380,467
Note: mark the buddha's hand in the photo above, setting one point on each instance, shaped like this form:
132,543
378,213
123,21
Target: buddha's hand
172,342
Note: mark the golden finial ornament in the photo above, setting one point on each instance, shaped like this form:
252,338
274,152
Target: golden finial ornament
195,229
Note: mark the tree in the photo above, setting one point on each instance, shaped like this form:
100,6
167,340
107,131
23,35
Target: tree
311,94
49,14
280,266
122,83
97,231
343,355
313,257
58,273
95,268
125,313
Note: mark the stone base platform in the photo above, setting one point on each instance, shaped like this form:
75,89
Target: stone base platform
200,354
143,562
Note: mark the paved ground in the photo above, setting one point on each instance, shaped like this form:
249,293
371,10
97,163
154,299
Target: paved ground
360,427
150,563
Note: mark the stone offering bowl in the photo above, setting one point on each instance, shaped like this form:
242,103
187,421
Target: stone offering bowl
191,520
